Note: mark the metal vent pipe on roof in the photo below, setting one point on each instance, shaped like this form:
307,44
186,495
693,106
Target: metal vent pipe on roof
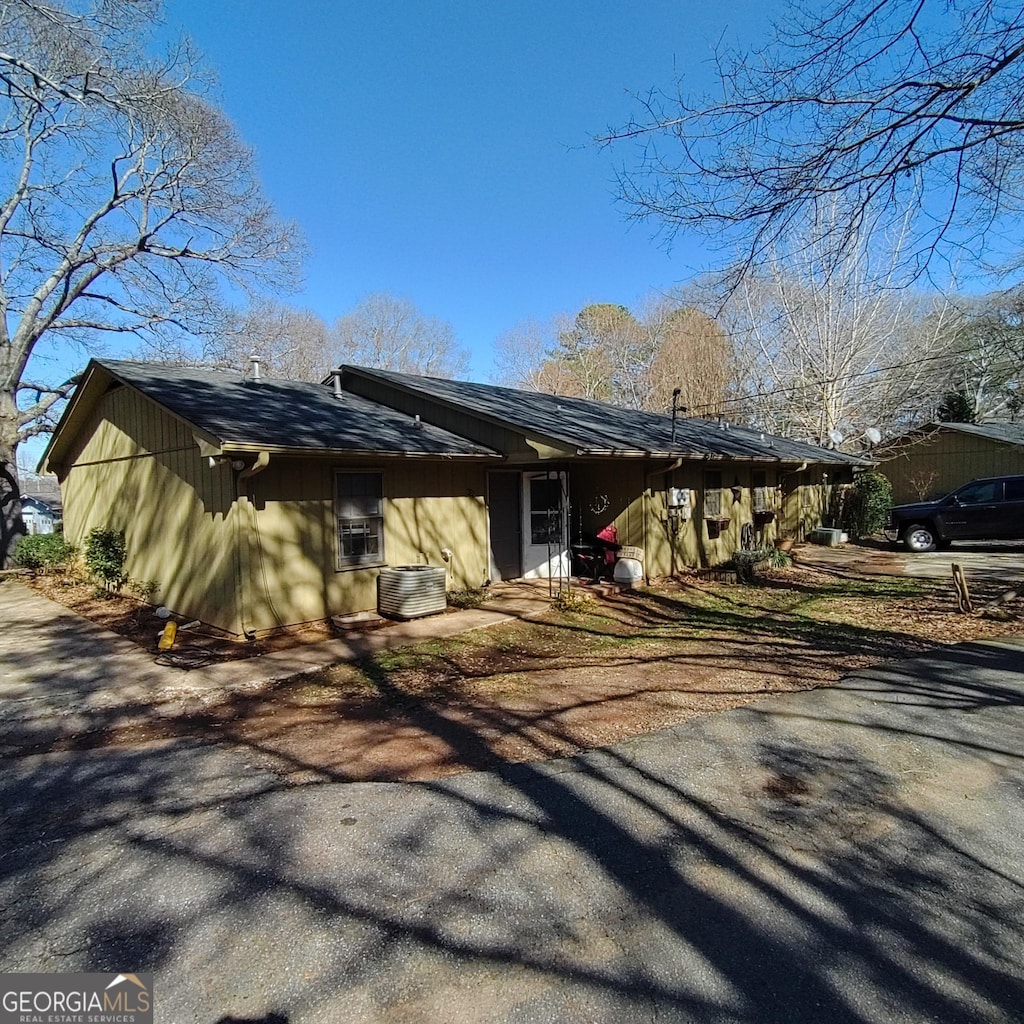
676,409
254,364
336,381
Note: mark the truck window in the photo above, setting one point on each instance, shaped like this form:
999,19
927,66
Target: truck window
1015,489
981,493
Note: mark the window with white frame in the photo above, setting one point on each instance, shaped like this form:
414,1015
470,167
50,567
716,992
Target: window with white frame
359,508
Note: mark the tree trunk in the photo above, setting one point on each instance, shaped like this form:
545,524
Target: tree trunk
11,524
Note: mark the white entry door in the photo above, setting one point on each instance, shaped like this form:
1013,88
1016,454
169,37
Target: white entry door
545,525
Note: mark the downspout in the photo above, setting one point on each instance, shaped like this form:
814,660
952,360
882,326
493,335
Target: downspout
246,530
671,467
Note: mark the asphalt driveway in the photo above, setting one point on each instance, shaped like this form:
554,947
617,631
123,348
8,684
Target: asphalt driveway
849,854
992,565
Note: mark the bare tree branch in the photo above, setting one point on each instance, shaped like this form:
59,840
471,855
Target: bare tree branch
882,103
389,332
127,199
826,350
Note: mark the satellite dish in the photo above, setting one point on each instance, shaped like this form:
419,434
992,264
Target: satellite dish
835,437
873,434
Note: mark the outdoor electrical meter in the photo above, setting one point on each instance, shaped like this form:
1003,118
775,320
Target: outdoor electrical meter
679,502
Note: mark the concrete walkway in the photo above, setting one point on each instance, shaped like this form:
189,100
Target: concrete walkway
56,663
849,855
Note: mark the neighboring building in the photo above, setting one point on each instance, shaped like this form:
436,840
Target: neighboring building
40,516
256,504
936,459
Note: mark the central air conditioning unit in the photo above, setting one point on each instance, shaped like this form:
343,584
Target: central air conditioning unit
828,537
412,591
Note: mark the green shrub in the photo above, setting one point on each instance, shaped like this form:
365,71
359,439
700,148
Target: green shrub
746,563
144,590
778,559
44,552
867,508
466,598
105,552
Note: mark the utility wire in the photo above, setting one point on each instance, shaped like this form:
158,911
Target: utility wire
789,389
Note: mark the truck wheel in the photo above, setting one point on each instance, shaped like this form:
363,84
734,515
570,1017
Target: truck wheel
918,538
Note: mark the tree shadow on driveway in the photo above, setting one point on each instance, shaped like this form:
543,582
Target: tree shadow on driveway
849,854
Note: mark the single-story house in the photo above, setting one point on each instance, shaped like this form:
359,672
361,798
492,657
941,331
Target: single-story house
938,457
261,503
39,514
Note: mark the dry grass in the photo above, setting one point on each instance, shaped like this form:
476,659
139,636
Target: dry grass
537,689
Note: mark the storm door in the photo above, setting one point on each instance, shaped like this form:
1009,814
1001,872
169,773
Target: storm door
545,525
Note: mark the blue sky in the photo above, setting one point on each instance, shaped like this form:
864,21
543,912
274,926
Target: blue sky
442,150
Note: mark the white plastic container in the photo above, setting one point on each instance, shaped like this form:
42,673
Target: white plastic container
628,572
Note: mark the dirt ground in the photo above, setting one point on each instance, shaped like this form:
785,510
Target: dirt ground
628,664
137,620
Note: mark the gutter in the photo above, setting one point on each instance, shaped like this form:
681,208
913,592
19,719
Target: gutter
604,453
248,447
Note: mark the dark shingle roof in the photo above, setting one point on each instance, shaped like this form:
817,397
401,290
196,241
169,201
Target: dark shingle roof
1008,433
285,414
596,428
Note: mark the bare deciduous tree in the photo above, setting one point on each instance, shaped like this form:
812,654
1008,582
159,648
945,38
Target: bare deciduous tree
521,356
389,332
607,353
880,102
827,347
125,197
689,351
292,343
986,379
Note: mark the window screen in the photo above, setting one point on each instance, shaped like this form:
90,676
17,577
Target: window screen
359,509
712,494
759,485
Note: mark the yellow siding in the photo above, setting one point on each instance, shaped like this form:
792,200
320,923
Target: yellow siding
805,501
702,540
637,504
138,469
271,561
293,575
438,506
605,493
947,460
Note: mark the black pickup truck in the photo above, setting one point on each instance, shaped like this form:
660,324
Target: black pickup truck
991,509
